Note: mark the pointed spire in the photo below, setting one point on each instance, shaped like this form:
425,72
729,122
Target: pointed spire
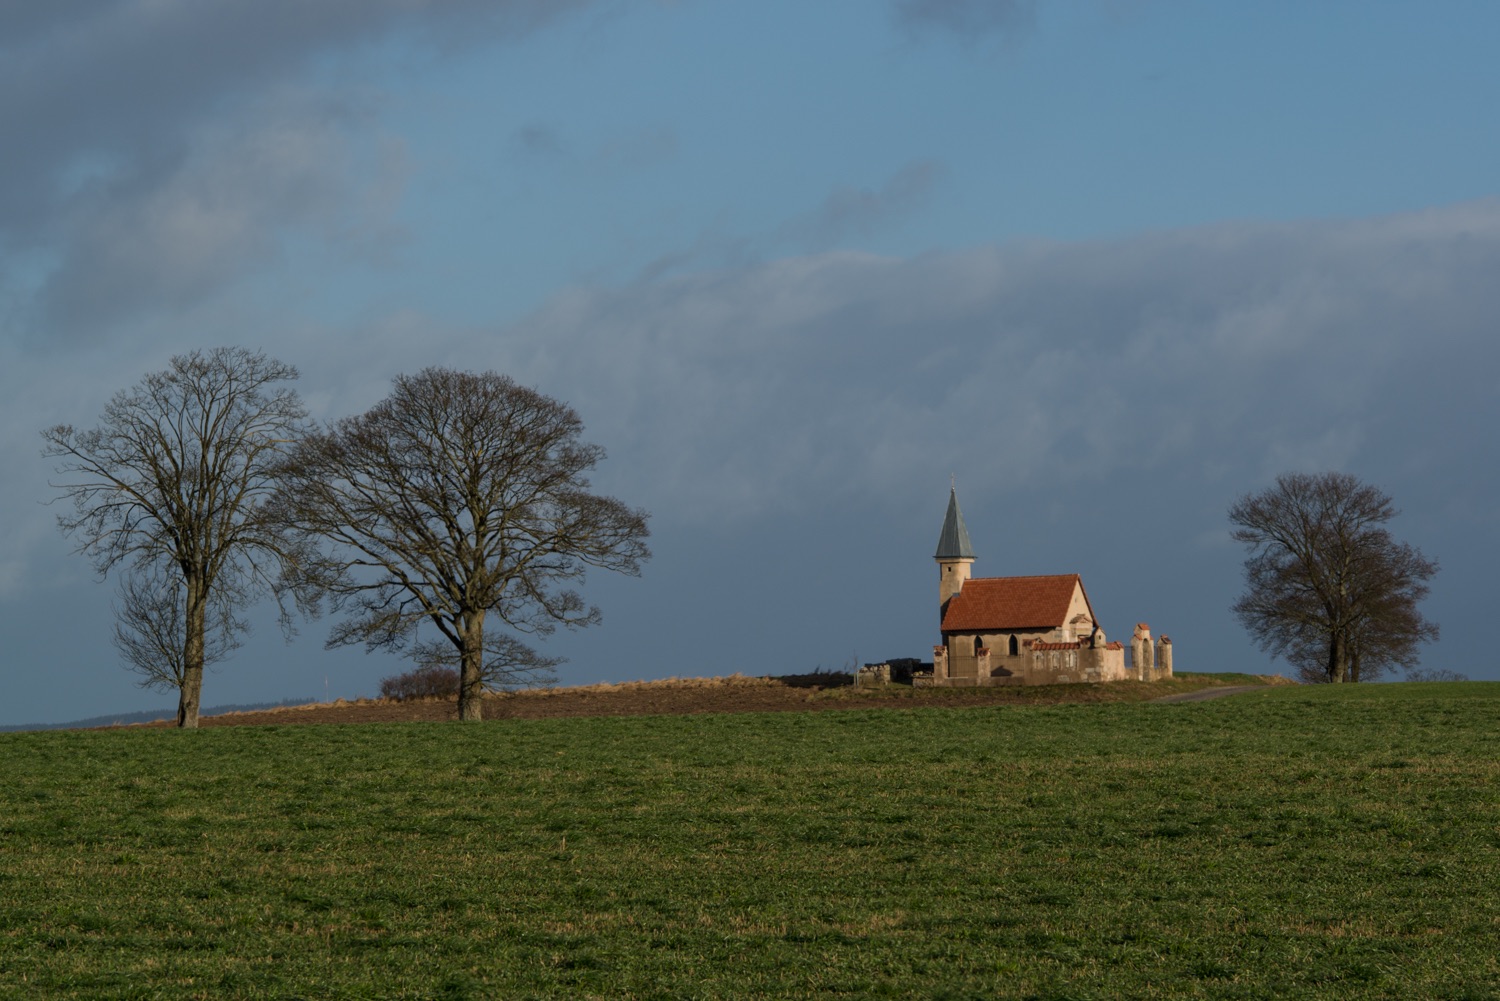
954,543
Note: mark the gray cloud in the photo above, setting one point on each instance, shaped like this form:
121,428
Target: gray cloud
1231,351
622,151
846,213
219,214
131,101
538,139
638,148
967,20
1234,351
856,212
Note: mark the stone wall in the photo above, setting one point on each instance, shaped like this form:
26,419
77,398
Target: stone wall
1041,663
1056,657
1067,663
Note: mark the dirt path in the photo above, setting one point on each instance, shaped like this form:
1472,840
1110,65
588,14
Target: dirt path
1204,694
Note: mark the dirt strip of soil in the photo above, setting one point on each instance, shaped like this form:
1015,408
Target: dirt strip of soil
673,698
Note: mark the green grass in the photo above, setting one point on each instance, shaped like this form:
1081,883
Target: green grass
1337,842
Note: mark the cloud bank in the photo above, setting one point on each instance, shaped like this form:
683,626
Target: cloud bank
160,151
1236,350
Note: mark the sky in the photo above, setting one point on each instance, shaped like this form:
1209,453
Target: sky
1110,264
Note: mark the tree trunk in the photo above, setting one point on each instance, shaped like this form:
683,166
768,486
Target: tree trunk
1337,657
191,690
471,671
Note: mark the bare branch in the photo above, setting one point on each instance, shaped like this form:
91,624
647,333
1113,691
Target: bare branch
508,665
151,627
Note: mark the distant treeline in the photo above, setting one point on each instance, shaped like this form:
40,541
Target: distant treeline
151,716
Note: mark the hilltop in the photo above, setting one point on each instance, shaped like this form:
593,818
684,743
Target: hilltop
735,693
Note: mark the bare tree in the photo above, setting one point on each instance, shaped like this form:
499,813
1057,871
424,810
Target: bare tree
151,627
1327,587
171,487
459,498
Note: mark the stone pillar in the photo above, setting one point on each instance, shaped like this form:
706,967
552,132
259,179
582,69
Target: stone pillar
939,665
1142,653
981,665
1164,657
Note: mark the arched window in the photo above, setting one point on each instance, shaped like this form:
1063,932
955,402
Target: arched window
1015,645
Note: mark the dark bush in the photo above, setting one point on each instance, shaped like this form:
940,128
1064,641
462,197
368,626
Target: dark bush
420,683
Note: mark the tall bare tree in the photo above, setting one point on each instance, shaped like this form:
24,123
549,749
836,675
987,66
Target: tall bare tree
171,488
460,498
1327,586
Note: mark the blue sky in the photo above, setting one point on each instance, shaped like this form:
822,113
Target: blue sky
1113,263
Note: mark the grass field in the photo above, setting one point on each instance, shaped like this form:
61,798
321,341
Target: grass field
1337,842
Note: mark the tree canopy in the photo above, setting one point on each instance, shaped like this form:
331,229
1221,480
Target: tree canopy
1327,586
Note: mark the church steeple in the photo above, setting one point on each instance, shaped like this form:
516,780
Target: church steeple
955,554
954,543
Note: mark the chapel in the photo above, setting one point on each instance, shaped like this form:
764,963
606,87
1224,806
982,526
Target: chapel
1026,630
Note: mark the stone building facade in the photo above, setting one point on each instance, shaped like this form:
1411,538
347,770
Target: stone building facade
1026,630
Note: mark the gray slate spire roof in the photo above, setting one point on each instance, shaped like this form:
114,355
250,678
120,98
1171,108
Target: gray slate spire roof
954,543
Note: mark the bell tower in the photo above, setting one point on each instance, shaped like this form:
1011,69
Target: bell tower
955,554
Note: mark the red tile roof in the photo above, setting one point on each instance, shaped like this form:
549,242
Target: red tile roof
1008,604
1039,645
